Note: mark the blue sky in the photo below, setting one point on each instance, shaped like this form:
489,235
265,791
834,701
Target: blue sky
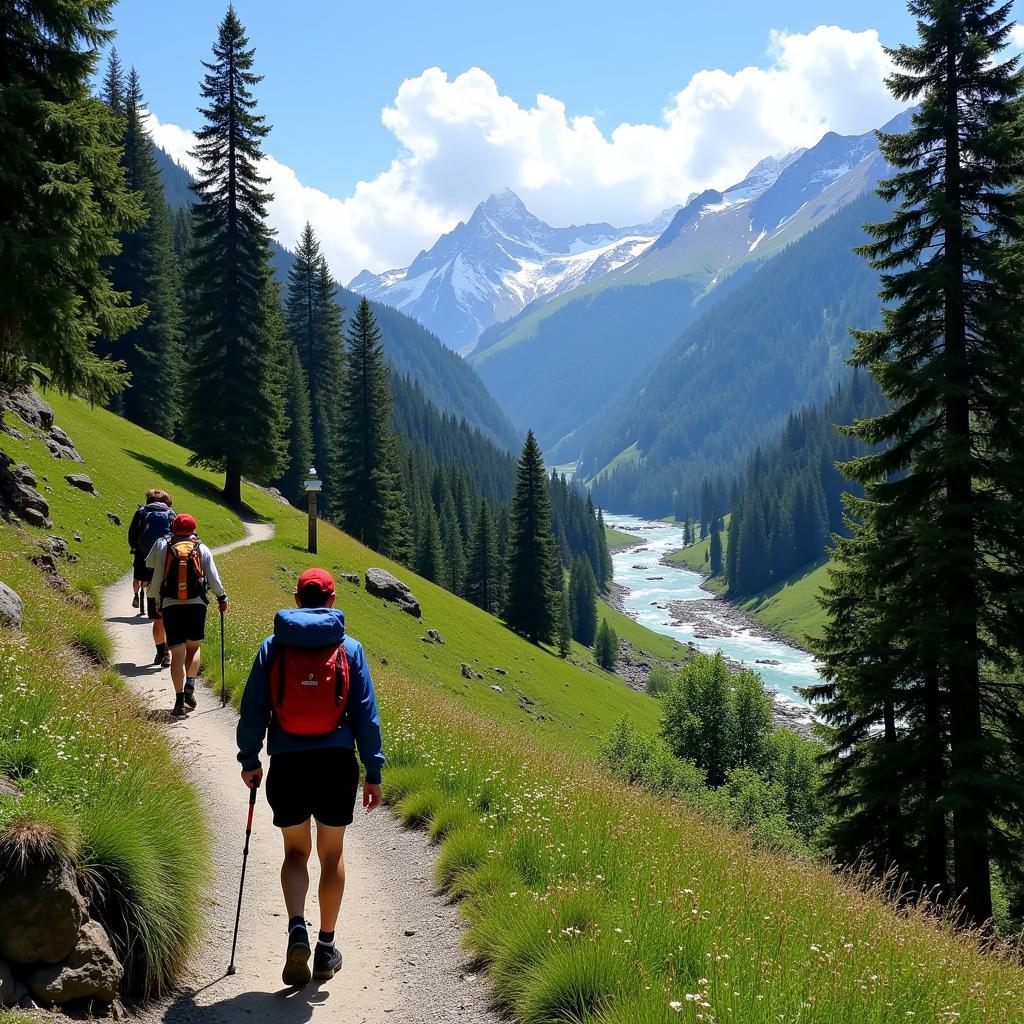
330,68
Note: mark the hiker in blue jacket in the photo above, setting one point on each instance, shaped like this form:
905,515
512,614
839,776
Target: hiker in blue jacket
310,694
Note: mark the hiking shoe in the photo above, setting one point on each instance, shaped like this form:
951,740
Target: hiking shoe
190,696
326,961
135,601
165,659
296,962
158,658
179,711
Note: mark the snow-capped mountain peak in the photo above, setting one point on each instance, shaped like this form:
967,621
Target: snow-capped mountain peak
491,266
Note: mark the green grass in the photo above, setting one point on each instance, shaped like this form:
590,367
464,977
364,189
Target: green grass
642,639
697,556
100,783
590,901
791,608
617,539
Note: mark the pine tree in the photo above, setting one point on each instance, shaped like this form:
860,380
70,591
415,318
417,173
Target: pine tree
483,575
300,435
370,502
113,91
716,551
583,601
234,407
531,602
430,554
607,569
945,490
606,647
63,201
314,324
148,268
564,626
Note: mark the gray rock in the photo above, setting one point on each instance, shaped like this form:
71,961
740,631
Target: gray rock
19,495
382,584
43,912
34,517
351,577
92,971
31,408
12,608
496,688
278,496
468,672
500,671
77,537
435,637
24,473
81,481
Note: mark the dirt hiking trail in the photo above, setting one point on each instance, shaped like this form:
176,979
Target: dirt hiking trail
387,975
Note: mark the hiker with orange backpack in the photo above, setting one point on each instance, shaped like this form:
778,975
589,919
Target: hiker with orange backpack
184,573
310,694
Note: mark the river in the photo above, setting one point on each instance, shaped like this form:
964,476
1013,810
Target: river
648,599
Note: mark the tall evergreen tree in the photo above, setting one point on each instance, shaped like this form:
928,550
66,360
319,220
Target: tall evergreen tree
583,601
370,502
607,569
235,415
430,553
314,324
531,602
941,590
606,647
483,576
63,201
300,436
564,626
113,92
716,550
148,268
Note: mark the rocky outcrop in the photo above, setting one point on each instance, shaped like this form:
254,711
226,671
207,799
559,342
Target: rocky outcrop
37,414
43,912
12,608
82,481
382,584
92,971
61,446
18,494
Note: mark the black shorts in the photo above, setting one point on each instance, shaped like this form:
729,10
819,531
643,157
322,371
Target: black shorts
141,571
319,784
184,622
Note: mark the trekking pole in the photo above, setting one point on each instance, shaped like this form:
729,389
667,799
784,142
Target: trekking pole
223,690
254,787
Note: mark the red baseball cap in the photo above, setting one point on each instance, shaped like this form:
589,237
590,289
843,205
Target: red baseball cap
184,523
320,578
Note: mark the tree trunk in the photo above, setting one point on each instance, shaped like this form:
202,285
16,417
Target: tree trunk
894,852
233,483
966,787
936,839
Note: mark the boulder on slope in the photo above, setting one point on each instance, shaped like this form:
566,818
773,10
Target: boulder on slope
92,971
43,912
381,583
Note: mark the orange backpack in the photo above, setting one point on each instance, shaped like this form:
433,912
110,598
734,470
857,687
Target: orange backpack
183,579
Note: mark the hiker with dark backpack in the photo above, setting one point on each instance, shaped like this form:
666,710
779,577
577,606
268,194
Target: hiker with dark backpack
310,694
184,573
151,523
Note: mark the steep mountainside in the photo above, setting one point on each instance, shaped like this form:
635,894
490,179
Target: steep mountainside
706,251
411,350
486,270
778,341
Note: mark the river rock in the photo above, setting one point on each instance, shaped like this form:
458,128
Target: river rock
92,971
82,481
43,912
382,584
12,608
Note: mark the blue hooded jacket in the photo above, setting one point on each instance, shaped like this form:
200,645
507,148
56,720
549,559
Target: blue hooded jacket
311,627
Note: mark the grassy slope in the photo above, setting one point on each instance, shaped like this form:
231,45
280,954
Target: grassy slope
617,539
791,607
99,780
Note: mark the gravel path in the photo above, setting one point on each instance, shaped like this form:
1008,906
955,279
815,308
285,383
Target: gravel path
388,976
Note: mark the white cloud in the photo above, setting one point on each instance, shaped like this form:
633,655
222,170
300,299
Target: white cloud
1017,36
460,140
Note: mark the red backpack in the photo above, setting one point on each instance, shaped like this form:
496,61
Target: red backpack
308,688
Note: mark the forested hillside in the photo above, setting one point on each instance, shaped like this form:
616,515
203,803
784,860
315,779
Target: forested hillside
409,347
728,383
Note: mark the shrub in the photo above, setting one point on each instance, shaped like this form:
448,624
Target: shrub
418,807
658,680
462,853
449,818
90,639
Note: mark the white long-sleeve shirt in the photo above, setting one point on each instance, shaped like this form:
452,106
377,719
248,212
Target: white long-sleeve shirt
157,560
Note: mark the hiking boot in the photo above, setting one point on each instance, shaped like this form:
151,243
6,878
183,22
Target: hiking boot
179,710
296,962
326,961
190,696
165,659
161,652
135,601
